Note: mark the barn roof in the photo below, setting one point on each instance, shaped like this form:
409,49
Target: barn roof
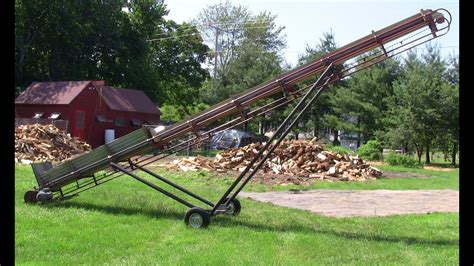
128,100
64,92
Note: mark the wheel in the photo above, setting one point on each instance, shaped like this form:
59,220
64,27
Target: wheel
30,196
44,195
234,207
197,218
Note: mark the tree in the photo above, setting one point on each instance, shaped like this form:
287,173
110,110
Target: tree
177,64
223,25
415,114
321,116
90,40
73,40
362,101
448,141
173,113
249,48
175,56
256,59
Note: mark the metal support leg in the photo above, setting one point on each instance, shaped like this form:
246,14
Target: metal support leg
274,146
120,168
174,185
267,145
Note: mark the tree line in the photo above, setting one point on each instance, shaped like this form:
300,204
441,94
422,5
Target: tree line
109,40
408,102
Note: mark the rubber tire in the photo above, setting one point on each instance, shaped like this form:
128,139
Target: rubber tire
195,214
237,207
30,196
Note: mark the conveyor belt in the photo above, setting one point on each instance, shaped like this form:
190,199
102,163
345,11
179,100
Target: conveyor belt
144,139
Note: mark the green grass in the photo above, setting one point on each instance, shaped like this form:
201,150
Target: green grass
126,223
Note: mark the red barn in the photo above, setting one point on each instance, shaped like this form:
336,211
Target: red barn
90,108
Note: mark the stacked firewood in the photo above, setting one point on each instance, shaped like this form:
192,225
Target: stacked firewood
36,143
295,158
194,164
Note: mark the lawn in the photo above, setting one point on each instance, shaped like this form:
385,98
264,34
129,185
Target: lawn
125,222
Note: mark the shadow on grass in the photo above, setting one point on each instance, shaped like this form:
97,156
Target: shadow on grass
294,227
117,210
224,221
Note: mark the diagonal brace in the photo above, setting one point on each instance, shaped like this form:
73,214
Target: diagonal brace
120,168
328,74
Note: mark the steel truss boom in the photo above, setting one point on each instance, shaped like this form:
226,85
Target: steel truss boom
129,152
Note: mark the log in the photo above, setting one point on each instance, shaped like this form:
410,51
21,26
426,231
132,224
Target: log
295,158
45,143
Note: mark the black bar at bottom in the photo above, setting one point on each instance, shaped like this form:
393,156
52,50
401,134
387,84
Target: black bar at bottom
118,167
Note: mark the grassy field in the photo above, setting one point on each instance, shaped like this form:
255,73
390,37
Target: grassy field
126,223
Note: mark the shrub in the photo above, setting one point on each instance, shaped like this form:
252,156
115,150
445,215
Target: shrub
338,149
371,151
402,160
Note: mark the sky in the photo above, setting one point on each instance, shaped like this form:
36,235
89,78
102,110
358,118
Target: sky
305,21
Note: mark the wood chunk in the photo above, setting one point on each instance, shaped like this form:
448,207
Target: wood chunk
46,143
295,158
332,171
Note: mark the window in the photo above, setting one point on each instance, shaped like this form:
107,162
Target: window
151,122
119,121
80,117
101,119
38,115
136,122
55,115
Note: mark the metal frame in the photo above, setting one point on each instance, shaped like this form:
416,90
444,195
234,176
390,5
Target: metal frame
222,204
288,123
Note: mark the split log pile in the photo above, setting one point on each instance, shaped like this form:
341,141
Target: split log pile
194,164
300,158
36,143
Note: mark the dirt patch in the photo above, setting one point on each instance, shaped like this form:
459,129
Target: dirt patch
347,203
433,168
269,178
392,174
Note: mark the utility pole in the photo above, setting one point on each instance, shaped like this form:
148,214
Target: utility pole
215,60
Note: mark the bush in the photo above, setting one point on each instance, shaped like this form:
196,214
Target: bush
402,160
338,149
371,151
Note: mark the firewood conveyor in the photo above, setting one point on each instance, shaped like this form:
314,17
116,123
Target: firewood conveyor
133,151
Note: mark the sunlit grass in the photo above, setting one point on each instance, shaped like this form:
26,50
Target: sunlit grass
125,222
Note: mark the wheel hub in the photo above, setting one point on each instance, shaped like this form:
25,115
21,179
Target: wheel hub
230,209
195,220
